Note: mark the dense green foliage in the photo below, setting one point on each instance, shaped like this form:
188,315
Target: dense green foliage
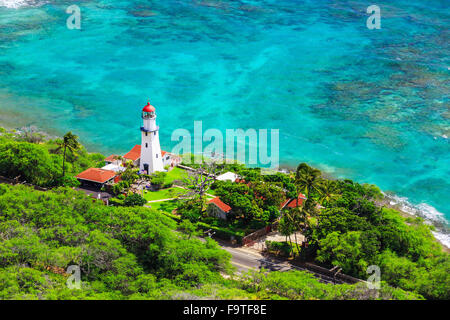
134,200
126,253
41,162
352,232
122,252
252,201
304,286
129,253
346,227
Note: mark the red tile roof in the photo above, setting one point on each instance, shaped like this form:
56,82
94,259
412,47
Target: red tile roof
293,203
134,153
96,175
112,157
223,206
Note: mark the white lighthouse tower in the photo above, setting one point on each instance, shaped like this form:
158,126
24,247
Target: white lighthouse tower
151,159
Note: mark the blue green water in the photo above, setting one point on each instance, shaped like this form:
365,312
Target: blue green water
371,105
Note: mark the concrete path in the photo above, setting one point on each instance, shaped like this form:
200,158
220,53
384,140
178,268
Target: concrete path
161,200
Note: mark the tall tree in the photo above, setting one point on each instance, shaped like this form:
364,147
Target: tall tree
328,191
69,142
307,179
200,181
298,219
286,228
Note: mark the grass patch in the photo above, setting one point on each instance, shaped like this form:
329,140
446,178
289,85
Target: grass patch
163,194
176,174
164,206
211,191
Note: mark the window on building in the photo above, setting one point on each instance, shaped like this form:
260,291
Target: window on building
146,133
146,145
156,155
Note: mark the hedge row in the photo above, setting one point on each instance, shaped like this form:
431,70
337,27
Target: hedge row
115,202
221,233
173,216
281,248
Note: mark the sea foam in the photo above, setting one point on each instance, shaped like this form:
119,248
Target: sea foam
15,4
427,212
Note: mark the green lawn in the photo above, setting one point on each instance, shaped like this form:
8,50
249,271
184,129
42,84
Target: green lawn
166,206
175,174
163,194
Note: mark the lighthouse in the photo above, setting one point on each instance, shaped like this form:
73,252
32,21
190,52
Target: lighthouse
151,158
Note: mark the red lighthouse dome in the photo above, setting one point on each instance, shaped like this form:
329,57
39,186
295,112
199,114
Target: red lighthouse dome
148,108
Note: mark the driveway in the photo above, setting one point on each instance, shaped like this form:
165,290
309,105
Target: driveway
260,244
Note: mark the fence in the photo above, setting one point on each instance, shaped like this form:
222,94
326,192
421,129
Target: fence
250,239
324,271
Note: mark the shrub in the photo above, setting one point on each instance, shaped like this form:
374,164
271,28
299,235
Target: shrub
68,181
116,202
134,200
277,247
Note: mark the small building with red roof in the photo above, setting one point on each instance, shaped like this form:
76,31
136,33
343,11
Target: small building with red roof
294,202
113,159
134,155
217,208
96,177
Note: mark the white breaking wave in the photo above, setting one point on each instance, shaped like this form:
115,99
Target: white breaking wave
15,4
443,238
429,213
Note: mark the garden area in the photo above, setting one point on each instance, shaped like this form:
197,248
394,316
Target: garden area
162,194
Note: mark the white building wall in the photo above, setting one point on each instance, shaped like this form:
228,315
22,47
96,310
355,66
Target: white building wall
150,148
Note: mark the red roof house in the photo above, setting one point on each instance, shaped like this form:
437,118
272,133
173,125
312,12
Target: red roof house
294,202
134,154
96,175
112,158
223,206
218,208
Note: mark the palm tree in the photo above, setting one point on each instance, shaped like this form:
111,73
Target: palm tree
307,179
328,191
293,217
69,142
286,228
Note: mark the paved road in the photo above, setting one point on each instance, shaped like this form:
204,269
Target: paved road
246,259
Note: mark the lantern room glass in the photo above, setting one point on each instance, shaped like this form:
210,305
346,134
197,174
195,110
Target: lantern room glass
148,115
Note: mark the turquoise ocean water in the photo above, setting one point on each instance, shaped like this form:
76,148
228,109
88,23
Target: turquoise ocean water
371,105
